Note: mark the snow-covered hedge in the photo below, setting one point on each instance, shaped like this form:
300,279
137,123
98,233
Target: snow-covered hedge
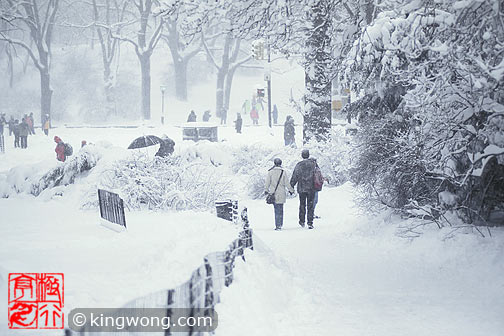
165,183
34,179
192,179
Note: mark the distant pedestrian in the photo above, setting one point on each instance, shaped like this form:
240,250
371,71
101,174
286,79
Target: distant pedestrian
238,123
223,116
276,183
83,143
15,130
11,125
274,114
60,149
24,131
47,124
246,107
206,116
289,132
303,176
191,117
2,123
254,112
254,115
260,104
167,146
31,123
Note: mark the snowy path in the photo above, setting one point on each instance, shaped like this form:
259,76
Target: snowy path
342,280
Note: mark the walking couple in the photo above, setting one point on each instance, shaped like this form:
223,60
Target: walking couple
306,177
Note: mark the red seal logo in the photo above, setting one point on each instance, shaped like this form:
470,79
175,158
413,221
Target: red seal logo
36,300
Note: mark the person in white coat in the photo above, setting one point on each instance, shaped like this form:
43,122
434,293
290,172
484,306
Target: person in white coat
277,182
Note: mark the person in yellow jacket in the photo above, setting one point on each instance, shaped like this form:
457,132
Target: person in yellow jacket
276,183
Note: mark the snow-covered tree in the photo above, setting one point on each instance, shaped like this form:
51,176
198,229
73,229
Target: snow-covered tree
106,19
148,28
109,16
181,34
30,25
312,30
432,117
226,61
209,23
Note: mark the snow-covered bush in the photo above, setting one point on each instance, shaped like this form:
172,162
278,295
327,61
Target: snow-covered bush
206,152
66,174
166,183
32,179
432,118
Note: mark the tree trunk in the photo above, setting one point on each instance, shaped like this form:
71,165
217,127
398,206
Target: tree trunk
228,85
146,85
219,95
108,80
10,66
317,118
45,93
180,79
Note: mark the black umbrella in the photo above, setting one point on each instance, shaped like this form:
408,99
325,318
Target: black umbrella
144,141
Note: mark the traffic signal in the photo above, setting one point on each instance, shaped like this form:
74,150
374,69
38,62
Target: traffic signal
260,92
258,50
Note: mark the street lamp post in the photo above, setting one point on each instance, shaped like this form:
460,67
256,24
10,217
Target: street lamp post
163,89
268,79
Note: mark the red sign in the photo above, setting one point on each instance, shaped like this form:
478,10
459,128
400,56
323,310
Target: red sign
36,300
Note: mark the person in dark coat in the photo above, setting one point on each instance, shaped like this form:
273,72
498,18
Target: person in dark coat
2,123
191,117
303,177
274,114
206,115
167,146
289,131
15,130
60,149
238,123
223,116
11,125
24,131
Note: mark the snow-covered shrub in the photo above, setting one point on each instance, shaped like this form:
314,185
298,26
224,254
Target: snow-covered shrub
432,119
206,152
166,183
388,164
34,179
66,174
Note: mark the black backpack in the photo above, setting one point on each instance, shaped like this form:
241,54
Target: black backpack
68,149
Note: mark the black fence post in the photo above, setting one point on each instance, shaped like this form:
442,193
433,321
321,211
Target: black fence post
169,312
209,295
234,207
2,144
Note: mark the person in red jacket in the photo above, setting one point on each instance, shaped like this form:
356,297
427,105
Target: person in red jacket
60,149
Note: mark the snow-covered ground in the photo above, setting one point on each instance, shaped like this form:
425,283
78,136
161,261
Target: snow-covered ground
103,268
350,276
